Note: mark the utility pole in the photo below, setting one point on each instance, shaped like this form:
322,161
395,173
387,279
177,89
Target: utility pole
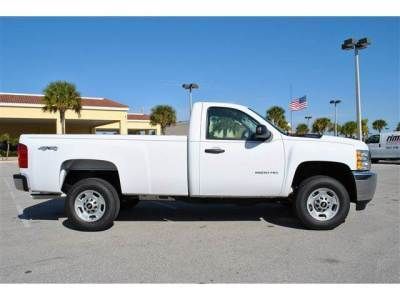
335,103
357,45
308,120
190,87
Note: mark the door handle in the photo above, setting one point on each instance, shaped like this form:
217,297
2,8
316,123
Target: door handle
214,150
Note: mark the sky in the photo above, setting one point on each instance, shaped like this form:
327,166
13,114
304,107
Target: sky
253,61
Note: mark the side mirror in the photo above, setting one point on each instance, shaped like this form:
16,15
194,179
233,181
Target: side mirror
262,133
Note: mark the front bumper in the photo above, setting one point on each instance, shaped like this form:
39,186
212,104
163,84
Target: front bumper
365,186
20,182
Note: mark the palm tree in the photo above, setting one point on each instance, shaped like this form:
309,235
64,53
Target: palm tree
321,125
164,115
349,129
364,128
276,115
331,128
60,96
379,125
302,129
5,138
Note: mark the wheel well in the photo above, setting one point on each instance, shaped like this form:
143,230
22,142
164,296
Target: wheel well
339,171
78,169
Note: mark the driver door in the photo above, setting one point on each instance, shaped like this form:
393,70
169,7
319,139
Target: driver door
232,163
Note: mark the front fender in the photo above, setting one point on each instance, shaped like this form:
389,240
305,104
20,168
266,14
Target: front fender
302,151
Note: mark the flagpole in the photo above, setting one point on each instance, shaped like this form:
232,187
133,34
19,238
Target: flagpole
291,111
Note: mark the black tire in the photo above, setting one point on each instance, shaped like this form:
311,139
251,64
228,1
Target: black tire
112,204
306,188
128,202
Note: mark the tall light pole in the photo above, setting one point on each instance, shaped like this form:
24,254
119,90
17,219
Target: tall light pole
357,45
308,120
190,87
335,103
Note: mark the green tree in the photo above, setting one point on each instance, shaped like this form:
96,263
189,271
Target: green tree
398,127
349,129
302,129
331,128
321,125
276,115
364,128
164,115
10,141
5,138
379,125
60,96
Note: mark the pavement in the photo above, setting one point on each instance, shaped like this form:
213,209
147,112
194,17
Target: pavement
176,242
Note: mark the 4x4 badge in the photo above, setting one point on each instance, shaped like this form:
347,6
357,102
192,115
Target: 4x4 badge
44,148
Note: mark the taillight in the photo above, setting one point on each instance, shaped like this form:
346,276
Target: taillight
22,156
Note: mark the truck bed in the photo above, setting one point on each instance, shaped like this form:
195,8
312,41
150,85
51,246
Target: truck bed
146,164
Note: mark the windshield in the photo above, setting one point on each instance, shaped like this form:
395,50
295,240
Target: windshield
277,128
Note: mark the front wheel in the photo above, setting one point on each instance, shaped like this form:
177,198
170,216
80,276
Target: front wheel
92,204
322,203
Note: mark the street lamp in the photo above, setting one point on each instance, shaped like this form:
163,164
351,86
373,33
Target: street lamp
335,103
350,44
190,87
308,120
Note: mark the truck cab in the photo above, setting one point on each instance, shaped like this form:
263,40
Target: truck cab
228,147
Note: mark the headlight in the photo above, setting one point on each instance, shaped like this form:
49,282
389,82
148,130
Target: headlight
363,159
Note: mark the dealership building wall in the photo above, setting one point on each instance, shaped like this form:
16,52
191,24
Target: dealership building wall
23,113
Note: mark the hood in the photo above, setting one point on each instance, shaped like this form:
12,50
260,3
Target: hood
359,145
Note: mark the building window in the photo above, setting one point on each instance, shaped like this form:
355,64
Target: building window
107,131
142,131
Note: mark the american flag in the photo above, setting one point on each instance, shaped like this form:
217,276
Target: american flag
298,103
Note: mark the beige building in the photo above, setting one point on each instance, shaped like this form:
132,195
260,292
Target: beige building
23,113
180,128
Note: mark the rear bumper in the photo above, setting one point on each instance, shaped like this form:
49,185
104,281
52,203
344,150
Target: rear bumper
365,185
20,182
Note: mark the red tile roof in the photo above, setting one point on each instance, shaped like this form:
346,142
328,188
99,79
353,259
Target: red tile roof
138,117
38,99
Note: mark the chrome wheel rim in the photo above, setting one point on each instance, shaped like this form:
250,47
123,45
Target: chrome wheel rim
90,206
323,204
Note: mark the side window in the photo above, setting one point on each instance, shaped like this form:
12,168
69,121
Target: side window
374,139
225,123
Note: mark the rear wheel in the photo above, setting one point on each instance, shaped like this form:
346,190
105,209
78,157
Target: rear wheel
322,202
92,204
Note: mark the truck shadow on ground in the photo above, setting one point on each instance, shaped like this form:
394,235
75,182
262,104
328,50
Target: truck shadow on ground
163,211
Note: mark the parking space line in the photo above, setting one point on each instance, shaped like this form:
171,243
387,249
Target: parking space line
20,211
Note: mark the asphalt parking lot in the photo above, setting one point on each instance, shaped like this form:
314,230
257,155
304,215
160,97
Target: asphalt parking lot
174,242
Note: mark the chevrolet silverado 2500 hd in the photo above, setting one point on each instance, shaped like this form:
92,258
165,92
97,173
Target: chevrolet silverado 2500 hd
230,153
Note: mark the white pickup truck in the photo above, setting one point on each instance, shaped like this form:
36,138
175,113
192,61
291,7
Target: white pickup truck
230,154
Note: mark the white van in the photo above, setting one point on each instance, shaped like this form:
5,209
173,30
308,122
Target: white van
384,146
